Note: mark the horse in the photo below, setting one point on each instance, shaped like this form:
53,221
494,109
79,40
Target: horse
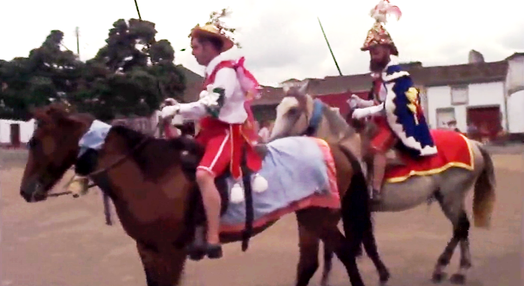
299,114
154,195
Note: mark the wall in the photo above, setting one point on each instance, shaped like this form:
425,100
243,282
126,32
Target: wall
26,130
515,76
480,94
515,90
339,100
516,112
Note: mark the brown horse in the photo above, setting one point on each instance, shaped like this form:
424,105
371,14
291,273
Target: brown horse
154,196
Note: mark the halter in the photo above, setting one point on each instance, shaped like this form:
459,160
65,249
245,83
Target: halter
316,117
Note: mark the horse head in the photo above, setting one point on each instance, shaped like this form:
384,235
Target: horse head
52,149
299,114
293,112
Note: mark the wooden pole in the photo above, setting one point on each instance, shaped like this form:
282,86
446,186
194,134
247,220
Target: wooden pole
329,47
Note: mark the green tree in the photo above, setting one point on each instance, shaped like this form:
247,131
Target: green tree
48,73
131,74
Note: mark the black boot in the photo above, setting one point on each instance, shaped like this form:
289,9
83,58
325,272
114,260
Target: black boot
213,251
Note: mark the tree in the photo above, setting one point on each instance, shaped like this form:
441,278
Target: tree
47,74
130,75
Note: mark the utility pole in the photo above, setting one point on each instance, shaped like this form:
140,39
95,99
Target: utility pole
77,33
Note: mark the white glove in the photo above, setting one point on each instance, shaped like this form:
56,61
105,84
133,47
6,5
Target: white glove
169,111
360,113
356,98
354,101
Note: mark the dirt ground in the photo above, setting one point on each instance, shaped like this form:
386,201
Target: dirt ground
64,242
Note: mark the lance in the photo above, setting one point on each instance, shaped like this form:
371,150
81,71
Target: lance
329,47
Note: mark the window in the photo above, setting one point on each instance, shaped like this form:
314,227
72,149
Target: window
445,116
459,95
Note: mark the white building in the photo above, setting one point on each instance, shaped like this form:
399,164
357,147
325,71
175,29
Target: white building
514,86
488,95
15,133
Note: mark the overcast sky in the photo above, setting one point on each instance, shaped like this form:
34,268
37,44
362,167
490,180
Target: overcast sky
281,39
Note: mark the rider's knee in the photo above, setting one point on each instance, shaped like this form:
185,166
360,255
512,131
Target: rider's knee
204,176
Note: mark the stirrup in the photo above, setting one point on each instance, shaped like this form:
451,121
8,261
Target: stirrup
376,195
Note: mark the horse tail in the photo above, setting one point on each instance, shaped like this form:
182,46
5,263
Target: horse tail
356,209
484,194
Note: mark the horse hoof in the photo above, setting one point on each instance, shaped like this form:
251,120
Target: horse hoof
458,279
438,277
384,277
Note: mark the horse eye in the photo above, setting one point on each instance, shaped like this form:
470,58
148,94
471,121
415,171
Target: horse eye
292,111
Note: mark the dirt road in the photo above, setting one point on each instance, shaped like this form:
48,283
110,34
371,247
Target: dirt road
64,242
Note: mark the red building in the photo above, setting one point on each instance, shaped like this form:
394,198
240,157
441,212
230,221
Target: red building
339,100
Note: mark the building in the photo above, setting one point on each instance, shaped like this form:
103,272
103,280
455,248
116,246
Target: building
514,87
487,94
15,133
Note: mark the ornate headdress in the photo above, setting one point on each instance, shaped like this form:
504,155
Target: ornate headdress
378,35
216,28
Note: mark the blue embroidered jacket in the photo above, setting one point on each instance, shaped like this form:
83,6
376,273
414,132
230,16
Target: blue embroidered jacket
404,113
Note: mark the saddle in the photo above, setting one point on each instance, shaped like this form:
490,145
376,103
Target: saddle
196,218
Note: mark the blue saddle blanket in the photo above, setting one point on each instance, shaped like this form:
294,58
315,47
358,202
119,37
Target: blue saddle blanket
295,168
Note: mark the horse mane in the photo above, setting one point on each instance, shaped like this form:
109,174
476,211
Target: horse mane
155,156
336,122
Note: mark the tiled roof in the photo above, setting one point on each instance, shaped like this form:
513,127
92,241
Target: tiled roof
422,76
270,95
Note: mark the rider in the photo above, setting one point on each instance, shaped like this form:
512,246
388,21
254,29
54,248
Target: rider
395,106
225,122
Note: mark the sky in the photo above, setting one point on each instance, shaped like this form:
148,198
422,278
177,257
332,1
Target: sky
281,39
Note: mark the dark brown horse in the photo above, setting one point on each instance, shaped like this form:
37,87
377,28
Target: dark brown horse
154,197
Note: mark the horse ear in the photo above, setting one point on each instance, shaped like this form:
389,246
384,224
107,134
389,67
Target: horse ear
286,88
303,87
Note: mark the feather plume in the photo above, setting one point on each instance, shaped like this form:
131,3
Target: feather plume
215,18
383,9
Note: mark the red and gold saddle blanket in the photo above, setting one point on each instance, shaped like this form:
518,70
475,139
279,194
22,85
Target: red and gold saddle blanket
454,150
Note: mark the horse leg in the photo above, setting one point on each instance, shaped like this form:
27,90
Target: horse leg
370,245
452,212
162,268
149,256
371,248
308,261
323,223
328,265
462,232
335,240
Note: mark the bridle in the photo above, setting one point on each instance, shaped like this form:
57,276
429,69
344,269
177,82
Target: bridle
316,117
121,159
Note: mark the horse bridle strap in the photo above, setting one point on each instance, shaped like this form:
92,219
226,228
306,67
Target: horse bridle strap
316,117
122,158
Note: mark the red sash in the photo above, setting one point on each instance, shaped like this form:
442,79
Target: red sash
243,136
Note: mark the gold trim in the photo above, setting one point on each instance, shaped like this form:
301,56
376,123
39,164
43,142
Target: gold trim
469,167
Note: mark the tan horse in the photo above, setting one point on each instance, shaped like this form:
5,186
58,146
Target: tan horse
298,114
148,183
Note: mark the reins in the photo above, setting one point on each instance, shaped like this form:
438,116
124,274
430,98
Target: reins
117,162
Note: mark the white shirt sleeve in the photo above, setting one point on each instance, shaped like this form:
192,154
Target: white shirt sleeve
226,79
373,110
366,103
